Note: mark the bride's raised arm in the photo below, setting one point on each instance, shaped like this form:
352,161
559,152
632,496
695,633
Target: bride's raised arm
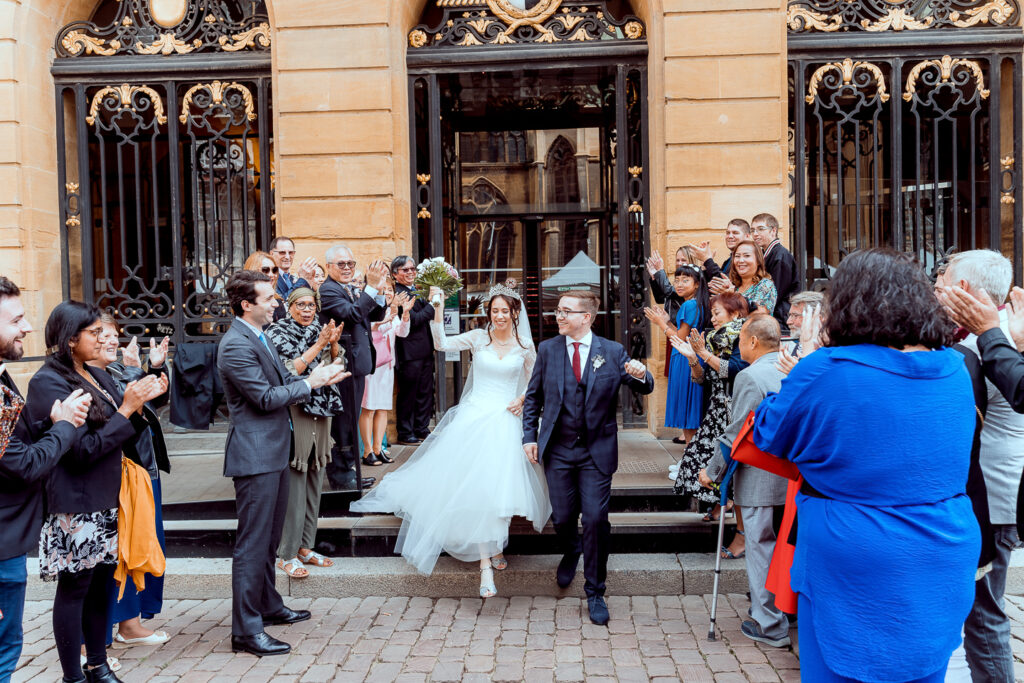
467,341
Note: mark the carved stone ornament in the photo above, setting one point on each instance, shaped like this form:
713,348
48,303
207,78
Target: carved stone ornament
170,27
876,16
475,23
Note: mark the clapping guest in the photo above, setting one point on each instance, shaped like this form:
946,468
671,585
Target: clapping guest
303,344
684,397
736,231
415,358
708,359
262,262
27,461
282,250
380,385
885,384
345,303
78,546
150,453
747,276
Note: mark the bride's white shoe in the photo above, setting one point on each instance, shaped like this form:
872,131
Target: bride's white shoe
487,587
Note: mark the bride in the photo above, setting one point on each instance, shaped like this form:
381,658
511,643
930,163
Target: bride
460,489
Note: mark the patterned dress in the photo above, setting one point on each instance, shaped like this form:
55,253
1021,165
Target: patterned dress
762,293
72,542
702,446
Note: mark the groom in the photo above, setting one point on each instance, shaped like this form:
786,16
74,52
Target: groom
575,384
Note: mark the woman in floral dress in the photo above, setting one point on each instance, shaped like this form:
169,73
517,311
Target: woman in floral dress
750,278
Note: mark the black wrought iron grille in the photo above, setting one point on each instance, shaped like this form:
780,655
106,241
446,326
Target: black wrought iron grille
918,152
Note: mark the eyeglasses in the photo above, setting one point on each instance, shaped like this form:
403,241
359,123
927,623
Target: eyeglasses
408,269
311,306
282,252
95,331
345,265
761,228
564,312
267,270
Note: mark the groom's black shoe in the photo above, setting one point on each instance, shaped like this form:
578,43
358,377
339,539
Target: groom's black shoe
567,569
286,616
598,610
260,645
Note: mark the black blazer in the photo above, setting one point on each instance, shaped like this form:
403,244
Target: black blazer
23,469
195,385
149,447
88,477
977,491
781,265
336,305
419,343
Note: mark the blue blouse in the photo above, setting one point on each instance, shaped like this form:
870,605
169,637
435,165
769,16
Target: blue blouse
888,559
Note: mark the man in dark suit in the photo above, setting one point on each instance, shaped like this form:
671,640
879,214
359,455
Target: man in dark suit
282,250
23,469
258,389
344,303
415,353
575,385
779,263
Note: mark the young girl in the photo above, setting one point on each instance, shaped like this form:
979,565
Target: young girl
373,420
685,397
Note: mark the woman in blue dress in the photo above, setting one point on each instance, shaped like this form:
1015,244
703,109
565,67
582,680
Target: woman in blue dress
684,399
880,423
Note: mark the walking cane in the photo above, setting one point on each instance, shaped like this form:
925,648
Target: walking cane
723,500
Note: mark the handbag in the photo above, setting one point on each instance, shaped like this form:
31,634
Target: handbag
744,451
384,355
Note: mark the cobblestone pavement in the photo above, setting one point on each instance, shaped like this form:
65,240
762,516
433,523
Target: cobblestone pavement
660,638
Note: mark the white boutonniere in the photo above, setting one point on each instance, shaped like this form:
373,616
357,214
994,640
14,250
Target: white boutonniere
598,362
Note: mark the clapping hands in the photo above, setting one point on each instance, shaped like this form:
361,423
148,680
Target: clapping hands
810,330
73,409
657,315
655,263
721,284
307,271
786,362
325,375
684,347
377,275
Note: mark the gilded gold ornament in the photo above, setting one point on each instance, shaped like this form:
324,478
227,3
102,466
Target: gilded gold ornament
846,69
417,38
945,67
423,213
798,17
423,178
75,42
217,90
167,44
898,19
125,94
634,30
995,12
257,34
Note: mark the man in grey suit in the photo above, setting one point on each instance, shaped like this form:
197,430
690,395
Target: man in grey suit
258,390
756,492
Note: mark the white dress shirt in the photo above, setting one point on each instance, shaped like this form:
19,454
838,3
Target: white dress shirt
584,343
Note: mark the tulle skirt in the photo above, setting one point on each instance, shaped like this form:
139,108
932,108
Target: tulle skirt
461,488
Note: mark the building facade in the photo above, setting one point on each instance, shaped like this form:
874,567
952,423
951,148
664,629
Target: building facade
146,146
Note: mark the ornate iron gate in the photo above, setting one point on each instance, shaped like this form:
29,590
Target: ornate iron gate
165,160
497,40
905,124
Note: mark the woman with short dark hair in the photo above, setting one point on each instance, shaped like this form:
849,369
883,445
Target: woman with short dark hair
78,546
880,423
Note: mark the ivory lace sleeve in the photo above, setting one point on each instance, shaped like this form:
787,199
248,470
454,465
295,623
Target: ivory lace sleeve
467,341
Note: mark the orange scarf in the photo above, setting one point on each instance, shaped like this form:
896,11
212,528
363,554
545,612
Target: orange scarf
138,549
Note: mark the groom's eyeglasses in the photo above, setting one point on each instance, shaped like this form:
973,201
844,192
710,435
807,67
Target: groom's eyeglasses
564,312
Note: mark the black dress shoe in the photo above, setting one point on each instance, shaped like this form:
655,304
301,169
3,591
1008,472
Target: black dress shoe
410,441
423,436
286,616
74,680
598,610
567,569
101,674
260,645
350,484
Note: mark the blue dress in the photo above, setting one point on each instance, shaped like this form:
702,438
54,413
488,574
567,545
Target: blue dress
885,565
684,398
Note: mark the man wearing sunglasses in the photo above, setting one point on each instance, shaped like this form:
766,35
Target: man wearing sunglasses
282,250
346,304
415,372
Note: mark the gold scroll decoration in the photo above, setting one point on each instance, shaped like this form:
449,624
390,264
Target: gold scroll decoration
516,18
995,12
898,19
167,44
1006,196
217,90
239,41
945,67
125,94
798,16
77,41
846,69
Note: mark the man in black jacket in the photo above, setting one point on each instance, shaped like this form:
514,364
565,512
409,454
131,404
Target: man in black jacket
779,263
344,303
415,354
23,468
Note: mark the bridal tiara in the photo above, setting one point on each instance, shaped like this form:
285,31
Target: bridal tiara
507,288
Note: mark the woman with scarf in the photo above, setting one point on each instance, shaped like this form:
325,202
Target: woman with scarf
303,344
709,359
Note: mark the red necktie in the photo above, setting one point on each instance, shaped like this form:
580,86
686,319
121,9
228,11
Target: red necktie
576,361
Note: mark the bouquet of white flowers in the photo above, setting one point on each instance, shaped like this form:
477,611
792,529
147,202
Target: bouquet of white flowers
435,272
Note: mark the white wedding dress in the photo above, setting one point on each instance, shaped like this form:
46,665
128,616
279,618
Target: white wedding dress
460,489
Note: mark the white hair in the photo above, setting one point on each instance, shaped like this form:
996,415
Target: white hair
982,269
334,251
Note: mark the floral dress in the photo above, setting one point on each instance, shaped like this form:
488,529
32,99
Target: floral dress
703,444
762,293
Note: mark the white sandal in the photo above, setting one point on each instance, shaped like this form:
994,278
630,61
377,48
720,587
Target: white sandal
499,562
155,638
487,587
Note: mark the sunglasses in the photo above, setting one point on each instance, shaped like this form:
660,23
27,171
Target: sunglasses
267,270
346,265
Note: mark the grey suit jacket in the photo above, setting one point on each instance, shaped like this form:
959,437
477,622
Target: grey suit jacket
258,390
752,487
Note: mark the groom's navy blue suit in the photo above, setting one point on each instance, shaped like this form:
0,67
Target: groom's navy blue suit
577,442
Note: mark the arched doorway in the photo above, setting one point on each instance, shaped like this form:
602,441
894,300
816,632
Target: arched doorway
547,101
165,158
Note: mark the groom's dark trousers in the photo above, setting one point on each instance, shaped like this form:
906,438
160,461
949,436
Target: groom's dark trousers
577,443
